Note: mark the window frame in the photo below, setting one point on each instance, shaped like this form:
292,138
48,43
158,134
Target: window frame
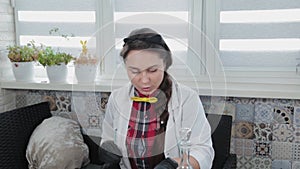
217,82
256,82
239,82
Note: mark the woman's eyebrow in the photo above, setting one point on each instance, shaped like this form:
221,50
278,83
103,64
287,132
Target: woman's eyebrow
131,67
153,66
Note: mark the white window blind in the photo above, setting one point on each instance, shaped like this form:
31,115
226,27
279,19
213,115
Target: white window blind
259,34
168,17
34,20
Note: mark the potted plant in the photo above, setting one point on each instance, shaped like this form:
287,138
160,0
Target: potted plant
55,63
23,59
85,65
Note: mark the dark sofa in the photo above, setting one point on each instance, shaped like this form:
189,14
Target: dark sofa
16,127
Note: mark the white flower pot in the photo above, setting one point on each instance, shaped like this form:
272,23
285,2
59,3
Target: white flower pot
85,73
57,73
23,71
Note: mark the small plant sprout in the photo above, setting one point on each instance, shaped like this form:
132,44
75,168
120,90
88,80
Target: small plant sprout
54,31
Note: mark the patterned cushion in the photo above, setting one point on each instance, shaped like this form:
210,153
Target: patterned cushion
57,143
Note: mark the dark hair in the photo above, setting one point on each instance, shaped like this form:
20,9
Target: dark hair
146,38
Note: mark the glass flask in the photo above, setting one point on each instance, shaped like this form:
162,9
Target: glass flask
185,145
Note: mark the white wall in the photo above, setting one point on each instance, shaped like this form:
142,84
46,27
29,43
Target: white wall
7,31
7,37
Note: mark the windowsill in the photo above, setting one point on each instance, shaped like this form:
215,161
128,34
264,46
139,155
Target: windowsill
230,89
44,84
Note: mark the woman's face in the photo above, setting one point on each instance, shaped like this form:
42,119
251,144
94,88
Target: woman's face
145,69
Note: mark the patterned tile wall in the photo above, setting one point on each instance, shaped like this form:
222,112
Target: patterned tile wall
85,107
265,132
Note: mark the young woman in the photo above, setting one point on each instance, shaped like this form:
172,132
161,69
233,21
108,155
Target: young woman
144,118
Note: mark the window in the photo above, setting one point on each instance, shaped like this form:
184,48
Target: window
107,22
180,23
34,20
224,47
169,18
74,19
260,35
259,44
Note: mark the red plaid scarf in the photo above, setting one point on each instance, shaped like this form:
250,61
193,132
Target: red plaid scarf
144,131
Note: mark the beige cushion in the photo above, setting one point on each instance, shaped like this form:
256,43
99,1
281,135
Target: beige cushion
57,143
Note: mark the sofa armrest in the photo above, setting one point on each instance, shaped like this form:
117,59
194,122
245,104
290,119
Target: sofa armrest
16,127
93,143
92,166
230,162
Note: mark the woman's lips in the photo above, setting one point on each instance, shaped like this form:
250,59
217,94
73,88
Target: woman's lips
146,89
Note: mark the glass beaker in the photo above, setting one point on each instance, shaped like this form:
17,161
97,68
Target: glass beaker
185,145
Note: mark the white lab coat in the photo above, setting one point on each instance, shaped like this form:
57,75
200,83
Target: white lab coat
185,109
